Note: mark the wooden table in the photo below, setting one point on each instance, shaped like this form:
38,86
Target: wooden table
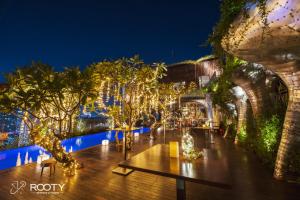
121,170
124,130
209,170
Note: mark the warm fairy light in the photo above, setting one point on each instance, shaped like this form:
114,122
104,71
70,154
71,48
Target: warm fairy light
187,144
133,86
133,89
274,45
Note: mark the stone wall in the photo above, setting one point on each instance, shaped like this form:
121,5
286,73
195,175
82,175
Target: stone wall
289,72
277,47
242,113
255,92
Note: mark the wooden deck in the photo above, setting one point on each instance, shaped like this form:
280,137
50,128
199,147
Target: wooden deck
96,181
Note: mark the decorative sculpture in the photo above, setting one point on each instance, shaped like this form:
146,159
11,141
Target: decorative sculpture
189,152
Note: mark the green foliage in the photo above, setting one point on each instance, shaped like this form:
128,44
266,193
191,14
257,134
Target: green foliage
220,88
220,92
215,87
87,131
230,10
268,139
269,133
131,83
48,102
242,135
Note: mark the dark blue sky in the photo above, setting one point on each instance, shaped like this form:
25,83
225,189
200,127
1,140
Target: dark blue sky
77,33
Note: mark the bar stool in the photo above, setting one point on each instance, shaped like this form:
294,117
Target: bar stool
51,163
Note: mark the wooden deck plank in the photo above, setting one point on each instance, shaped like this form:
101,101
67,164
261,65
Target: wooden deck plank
96,181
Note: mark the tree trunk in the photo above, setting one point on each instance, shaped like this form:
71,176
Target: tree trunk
53,145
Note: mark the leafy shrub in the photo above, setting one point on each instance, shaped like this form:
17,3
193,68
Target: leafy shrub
268,139
87,131
242,135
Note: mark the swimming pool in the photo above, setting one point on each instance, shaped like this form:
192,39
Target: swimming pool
24,155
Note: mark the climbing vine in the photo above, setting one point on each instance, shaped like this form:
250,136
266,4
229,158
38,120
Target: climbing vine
220,88
230,10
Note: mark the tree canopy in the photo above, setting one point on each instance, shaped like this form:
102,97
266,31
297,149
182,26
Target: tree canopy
48,102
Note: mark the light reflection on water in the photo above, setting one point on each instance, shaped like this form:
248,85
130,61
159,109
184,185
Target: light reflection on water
24,155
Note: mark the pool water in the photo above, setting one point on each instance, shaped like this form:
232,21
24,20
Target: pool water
24,155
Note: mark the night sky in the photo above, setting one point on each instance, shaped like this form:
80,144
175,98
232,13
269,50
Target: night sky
77,33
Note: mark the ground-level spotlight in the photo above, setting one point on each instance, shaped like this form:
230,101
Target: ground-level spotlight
105,142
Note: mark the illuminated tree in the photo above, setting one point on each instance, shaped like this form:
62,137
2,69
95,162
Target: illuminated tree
131,86
169,94
48,102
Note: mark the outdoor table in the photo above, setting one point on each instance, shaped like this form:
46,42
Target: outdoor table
121,170
124,137
211,169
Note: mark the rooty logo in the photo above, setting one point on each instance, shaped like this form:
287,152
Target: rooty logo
16,186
